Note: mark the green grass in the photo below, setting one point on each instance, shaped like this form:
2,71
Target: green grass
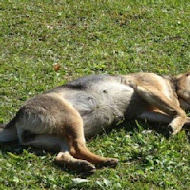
92,37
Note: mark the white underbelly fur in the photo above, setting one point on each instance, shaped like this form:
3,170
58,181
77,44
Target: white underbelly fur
101,105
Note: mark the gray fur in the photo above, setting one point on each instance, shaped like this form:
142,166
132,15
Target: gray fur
101,100
86,82
7,134
104,100
48,142
55,120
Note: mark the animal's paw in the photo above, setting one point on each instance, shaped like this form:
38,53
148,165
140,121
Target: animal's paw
173,130
84,166
77,165
187,123
110,162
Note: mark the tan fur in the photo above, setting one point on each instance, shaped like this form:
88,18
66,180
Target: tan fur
154,93
56,121
72,130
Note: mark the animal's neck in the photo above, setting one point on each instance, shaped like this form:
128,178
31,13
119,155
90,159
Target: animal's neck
176,87
174,84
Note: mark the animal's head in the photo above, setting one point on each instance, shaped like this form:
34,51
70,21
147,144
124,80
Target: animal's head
183,90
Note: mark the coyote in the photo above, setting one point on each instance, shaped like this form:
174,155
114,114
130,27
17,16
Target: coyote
60,119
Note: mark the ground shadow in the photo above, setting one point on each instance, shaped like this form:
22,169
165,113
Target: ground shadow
17,149
133,125
129,126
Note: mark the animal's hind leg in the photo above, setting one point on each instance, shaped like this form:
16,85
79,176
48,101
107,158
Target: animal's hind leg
157,99
64,158
73,131
54,143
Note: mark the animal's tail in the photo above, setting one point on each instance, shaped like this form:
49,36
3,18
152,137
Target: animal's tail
8,132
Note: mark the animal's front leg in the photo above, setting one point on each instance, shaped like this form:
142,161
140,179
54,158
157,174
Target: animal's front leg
158,100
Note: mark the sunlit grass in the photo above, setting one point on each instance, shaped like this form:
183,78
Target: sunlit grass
92,37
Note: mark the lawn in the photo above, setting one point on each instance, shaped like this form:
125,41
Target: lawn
44,44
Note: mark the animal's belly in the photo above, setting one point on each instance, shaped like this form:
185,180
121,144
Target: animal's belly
101,105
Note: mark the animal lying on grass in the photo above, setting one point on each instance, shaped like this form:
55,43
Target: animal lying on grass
61,118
